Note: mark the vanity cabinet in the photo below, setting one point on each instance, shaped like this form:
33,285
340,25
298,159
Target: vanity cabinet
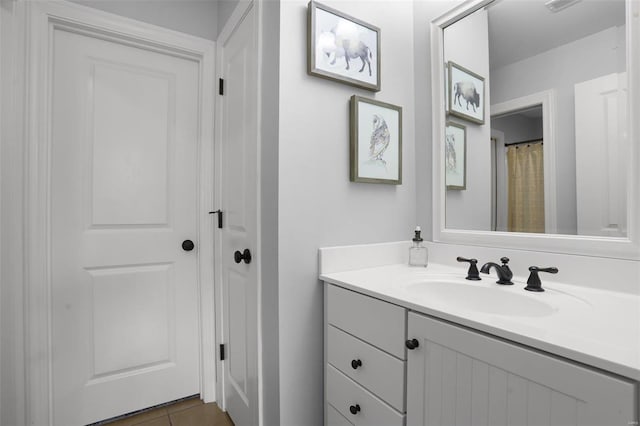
365,360
455,375
459,376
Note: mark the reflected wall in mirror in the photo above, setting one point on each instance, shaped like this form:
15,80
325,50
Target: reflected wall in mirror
552,155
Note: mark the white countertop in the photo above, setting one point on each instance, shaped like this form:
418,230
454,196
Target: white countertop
596,327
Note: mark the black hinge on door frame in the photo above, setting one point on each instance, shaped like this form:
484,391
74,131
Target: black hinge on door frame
222,352
221,86
219,213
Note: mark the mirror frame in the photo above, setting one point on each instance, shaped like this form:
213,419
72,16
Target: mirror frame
623,248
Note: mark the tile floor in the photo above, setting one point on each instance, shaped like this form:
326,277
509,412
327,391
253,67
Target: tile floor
190,412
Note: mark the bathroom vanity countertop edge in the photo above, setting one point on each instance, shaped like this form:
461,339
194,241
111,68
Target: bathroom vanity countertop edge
587,339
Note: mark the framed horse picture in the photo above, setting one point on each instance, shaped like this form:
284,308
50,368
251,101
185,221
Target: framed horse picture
465,93
342,48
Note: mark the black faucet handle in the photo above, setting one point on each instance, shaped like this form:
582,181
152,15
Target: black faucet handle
472,273
551,270
504,260
534,283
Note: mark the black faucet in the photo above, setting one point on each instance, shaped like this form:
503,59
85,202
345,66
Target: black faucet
472,274
504,272
534,283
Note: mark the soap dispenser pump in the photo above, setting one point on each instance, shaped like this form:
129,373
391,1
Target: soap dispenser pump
418,255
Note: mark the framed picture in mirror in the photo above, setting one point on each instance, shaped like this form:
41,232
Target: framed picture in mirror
465,91
342,48
455,157
375,141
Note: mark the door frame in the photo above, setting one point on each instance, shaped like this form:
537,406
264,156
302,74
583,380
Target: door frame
40,21
546,99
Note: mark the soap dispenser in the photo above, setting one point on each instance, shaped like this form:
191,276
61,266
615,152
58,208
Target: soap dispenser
418,252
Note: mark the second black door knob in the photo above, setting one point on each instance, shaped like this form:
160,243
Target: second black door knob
245,255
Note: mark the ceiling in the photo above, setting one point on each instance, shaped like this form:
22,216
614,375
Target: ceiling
519,29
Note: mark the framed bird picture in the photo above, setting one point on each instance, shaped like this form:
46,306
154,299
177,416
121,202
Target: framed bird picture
375,141
455,153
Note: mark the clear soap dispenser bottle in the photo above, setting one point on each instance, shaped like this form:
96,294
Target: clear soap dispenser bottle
418,255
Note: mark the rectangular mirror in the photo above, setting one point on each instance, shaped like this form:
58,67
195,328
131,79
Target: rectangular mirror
544,91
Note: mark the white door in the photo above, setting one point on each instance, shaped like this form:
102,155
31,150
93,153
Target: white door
123,200
239,134
602,156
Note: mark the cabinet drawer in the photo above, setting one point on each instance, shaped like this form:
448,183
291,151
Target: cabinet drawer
380,373
334,418
380,323
342,393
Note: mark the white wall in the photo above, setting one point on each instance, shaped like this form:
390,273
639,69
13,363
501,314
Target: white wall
560,68
466,43
318,205
195,17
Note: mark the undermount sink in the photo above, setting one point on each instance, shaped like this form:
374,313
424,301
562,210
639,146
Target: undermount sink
494,299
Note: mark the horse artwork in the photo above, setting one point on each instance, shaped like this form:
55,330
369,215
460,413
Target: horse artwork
343,48
466,94
336,47
466,90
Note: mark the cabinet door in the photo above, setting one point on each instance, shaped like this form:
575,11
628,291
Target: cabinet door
460,377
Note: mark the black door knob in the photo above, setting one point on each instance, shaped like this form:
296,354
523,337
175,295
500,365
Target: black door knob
245,255
354,409
412,344
355,363
187,245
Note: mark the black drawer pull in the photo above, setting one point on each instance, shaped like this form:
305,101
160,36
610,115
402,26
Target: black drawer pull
355,363
354,409
412,344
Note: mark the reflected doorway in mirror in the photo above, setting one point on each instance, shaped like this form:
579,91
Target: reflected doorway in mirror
455,156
